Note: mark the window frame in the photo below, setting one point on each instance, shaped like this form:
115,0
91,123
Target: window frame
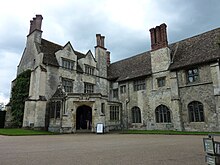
55,109
88,87
67,63
139,84
194,75
196,112
115,93
90,70
136,114
122,89
67,84
114,114
163,114
161,81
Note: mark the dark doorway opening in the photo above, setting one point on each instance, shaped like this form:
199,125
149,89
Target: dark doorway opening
84,117
2,119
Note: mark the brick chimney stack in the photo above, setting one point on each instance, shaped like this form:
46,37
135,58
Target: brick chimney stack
100,40
108,57
36,23
158,37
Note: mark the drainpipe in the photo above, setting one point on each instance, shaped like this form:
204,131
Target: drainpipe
126,104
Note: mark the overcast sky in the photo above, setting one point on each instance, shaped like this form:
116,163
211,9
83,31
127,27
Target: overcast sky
124,23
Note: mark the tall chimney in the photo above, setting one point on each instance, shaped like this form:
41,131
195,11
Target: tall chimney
163,28
158,37
103,41
100,40
108,58
38,20
31,26
36,23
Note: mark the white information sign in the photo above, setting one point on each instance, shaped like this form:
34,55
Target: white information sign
99,128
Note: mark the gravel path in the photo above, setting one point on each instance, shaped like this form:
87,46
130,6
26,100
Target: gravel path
107,149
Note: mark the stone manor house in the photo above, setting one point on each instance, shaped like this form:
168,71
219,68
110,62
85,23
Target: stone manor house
172,86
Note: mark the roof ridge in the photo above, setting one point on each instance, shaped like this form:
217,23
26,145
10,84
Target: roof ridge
195,36
52,42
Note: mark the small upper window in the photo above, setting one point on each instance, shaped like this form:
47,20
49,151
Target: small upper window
192,75
89,70
67,64
115,93
88,88
123,89
139,85
161,81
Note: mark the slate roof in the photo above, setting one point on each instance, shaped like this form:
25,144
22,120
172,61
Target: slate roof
193,51
136,66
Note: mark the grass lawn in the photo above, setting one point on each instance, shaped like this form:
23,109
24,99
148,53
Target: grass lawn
22,132
167,132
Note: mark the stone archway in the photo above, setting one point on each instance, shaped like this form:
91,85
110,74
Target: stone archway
84,118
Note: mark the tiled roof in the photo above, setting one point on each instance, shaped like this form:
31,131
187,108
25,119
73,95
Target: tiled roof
49,49
193,51
136,66
196,50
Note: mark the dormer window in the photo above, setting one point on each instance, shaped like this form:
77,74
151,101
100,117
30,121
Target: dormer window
67,64
89,70
192,75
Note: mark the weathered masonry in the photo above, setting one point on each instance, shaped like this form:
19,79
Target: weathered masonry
172,86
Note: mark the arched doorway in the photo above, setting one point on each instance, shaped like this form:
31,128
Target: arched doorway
84,117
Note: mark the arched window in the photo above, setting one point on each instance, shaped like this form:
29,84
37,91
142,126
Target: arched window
196,113
162,114
136,115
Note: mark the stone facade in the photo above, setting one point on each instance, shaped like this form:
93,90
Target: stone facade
172,87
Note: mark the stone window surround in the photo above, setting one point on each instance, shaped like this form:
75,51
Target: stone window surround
114,113
67,84
89,69
55,108
67,63
161,81
162,114
136,114
192,75
123,89
196,111
139,84
115,93
88,87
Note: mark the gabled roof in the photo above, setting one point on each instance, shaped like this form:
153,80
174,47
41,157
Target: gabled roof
49,49
136,66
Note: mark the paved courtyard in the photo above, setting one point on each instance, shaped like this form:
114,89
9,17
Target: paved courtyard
107,149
